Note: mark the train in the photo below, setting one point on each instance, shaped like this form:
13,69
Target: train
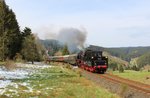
90,60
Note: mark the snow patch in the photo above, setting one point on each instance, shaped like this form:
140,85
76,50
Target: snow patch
22,71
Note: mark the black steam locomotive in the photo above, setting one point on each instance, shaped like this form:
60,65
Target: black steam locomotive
92,61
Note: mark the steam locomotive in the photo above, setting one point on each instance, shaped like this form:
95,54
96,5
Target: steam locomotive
90,60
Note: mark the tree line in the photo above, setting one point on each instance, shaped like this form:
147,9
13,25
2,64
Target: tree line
127,53
15,43
55,48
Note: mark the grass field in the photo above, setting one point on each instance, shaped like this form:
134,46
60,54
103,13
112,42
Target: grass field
55,82
140,76
1,63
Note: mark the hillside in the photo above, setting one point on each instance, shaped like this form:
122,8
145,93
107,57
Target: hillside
113,59
144,60
127,53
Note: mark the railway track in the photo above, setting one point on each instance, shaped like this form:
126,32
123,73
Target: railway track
144,88
134,84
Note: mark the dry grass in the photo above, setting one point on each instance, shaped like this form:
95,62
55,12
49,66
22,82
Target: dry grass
10,65
124,88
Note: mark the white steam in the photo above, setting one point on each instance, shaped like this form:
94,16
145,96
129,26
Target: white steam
73,37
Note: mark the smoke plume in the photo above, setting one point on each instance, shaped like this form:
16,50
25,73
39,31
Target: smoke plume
74,38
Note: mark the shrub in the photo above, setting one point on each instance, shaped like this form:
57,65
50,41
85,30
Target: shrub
18,57
80,73
127,68
10,65
120,68
68,66
135,68
113,66
124,88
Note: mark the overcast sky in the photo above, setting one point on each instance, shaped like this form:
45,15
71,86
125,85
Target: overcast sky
109,23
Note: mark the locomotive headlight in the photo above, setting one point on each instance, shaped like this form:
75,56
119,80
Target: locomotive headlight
92,57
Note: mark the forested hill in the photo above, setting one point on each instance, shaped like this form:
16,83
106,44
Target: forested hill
126,53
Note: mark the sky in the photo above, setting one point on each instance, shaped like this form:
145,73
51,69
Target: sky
108,23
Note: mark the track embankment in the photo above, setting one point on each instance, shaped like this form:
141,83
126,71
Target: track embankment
124,87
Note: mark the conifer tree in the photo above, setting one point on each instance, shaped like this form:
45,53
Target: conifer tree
2,34
10,36
65,50
31,48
